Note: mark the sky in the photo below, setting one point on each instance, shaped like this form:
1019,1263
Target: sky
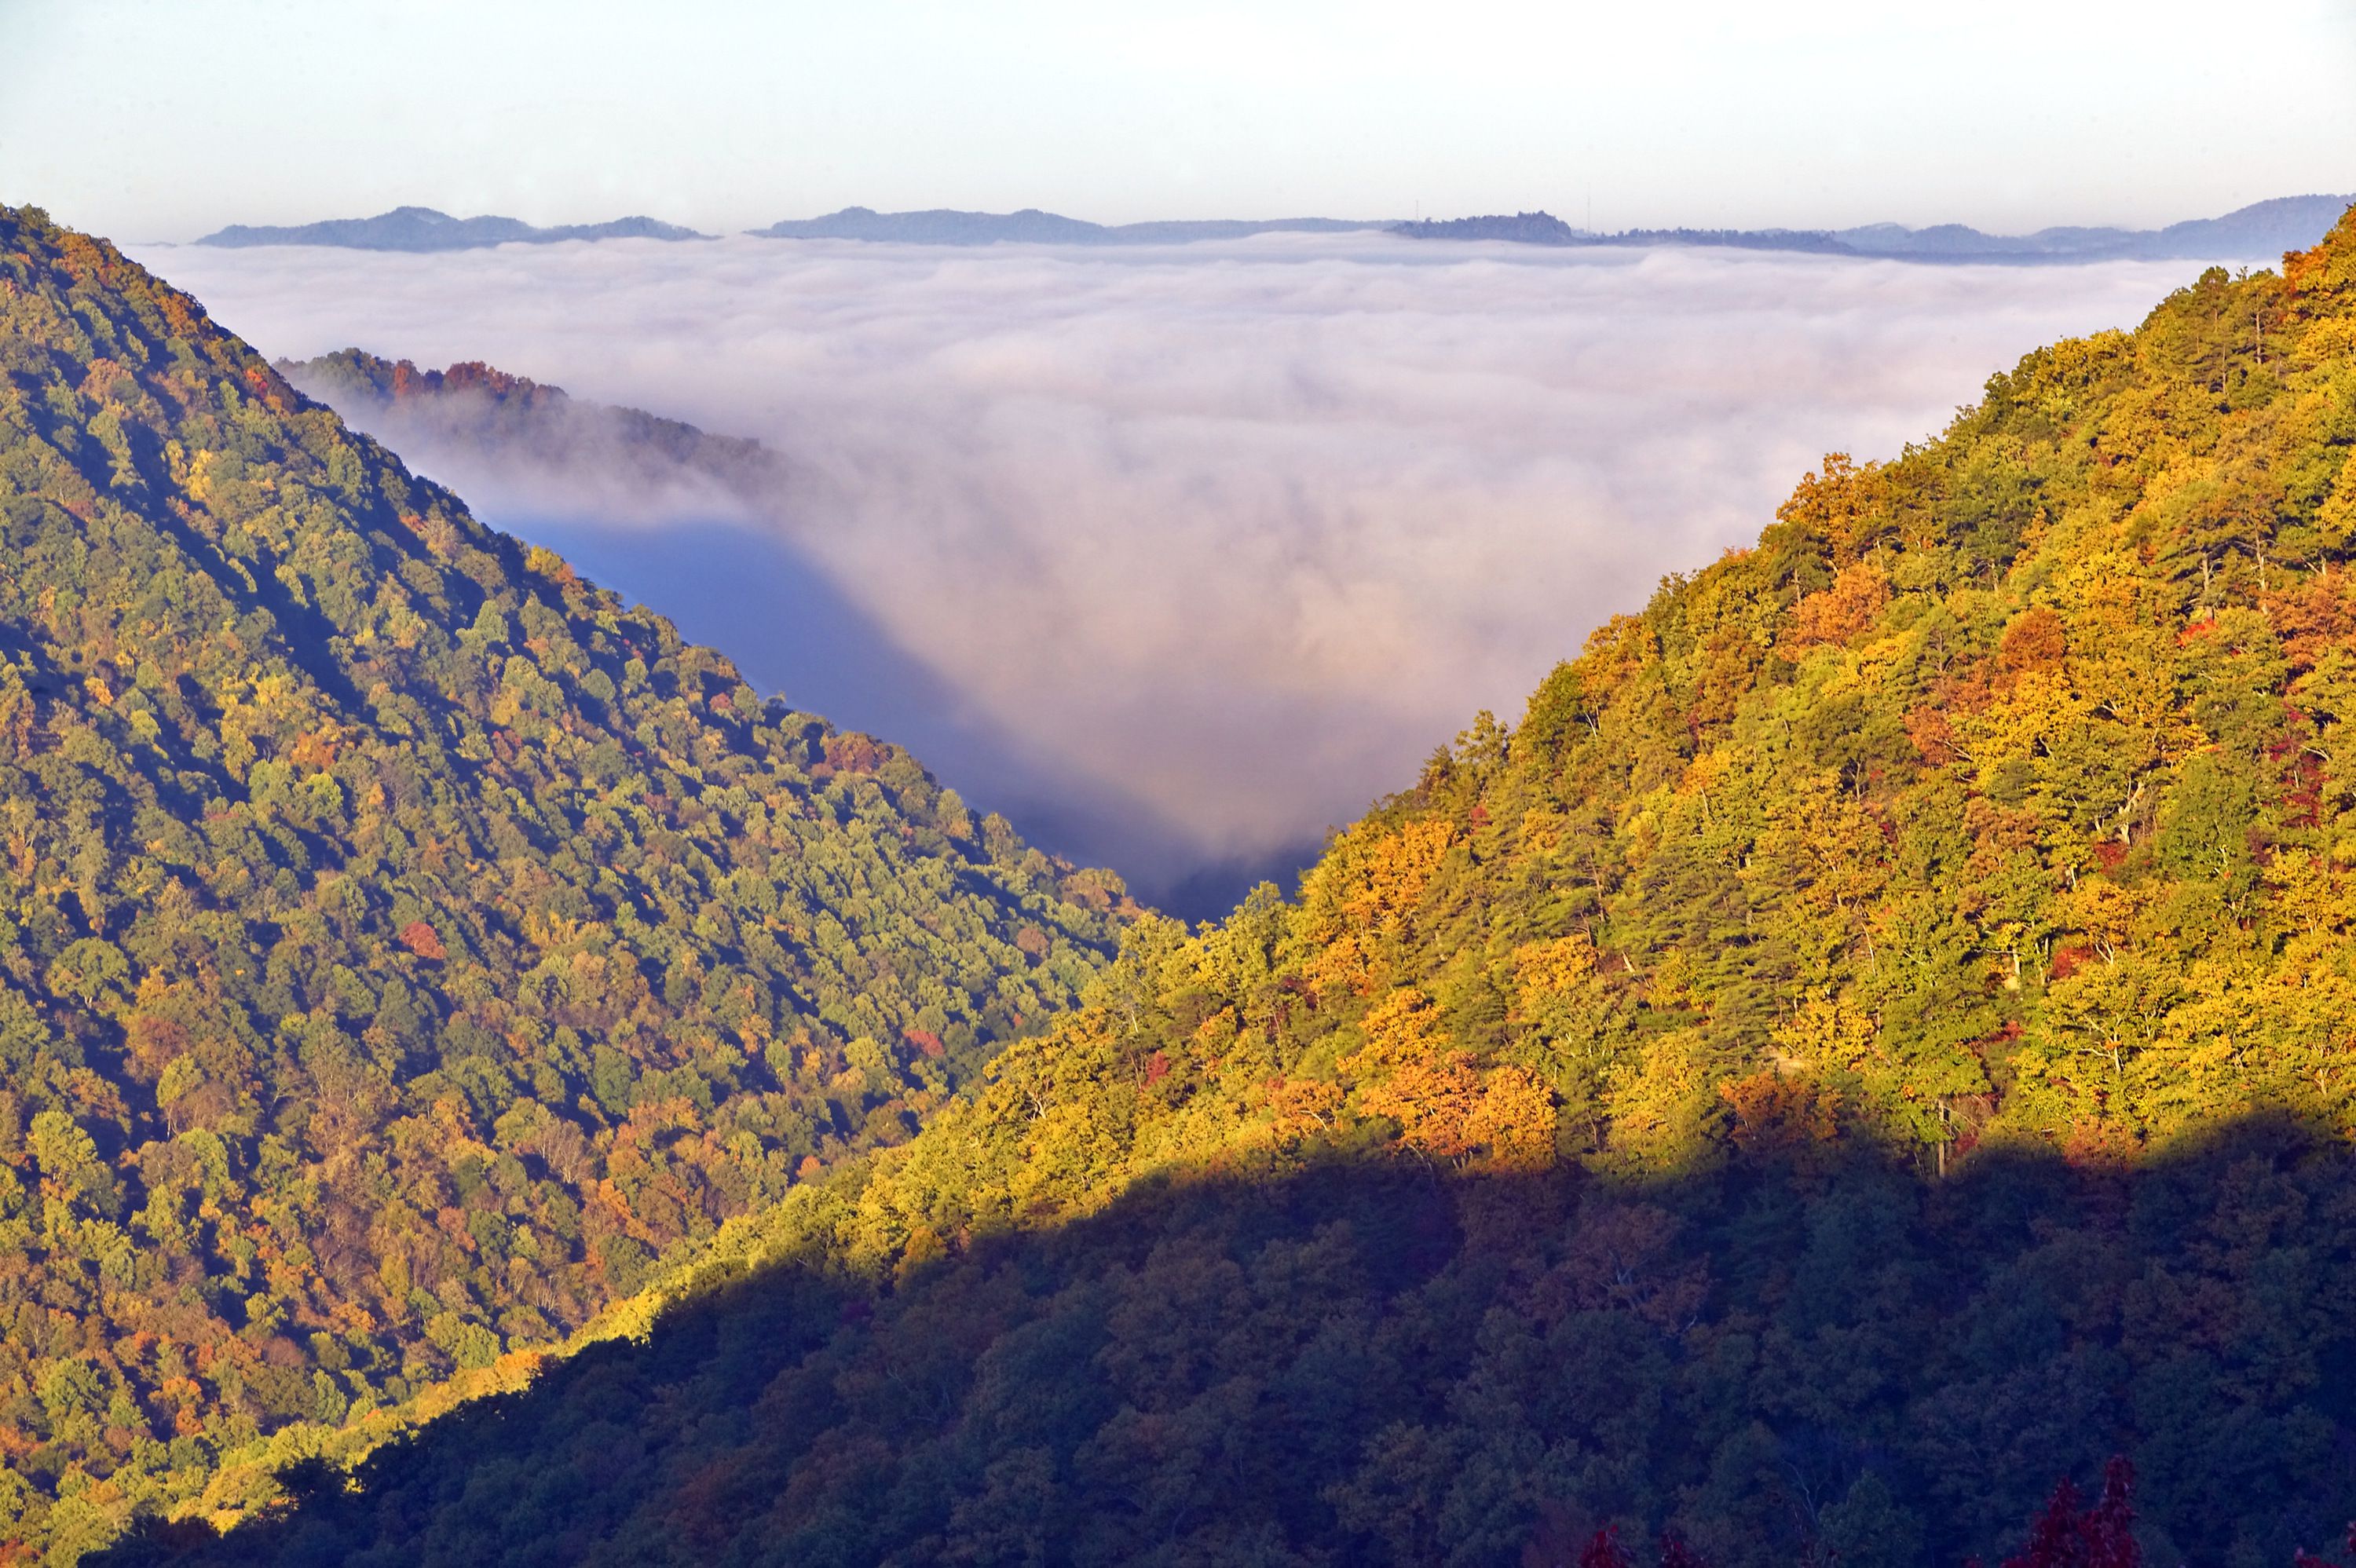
150,120
1177,556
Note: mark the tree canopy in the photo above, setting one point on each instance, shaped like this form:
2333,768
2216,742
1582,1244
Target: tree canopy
404,945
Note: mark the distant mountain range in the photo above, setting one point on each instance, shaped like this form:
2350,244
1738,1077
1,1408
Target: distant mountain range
2262,230
423,229
1546,228
945,226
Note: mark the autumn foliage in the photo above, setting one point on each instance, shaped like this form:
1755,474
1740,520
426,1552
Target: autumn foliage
404,945
2100,1536
1877,1034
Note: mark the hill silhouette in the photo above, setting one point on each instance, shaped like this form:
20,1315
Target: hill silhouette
947,225
716,529
423,229
2259,231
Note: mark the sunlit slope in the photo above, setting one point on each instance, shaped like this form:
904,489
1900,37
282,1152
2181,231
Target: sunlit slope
403,943
2002,790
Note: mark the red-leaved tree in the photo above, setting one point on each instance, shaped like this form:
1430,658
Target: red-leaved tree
1605,1550
2100,1537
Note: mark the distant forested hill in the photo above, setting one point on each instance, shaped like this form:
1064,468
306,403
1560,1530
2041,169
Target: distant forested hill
2261,231
948,226
1879,1035
423,229
475,406
403,941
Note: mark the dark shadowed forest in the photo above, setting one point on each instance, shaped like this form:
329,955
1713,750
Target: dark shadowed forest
1802,1356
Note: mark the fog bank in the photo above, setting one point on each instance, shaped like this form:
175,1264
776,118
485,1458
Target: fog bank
1176,556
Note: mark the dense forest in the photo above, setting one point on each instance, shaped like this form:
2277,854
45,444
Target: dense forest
1877,1035
404,945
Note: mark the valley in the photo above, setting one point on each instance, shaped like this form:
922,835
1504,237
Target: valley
1870,1038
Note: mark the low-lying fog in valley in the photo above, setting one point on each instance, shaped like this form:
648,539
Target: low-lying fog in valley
1175,556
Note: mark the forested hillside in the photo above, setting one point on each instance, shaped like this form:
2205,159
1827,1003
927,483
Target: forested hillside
1876,1036
520,423
403,943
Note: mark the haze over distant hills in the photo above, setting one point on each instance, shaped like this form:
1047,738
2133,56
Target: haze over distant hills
2263,231
945,226
423,229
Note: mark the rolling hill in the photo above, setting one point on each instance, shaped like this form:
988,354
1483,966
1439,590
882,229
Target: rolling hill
2259,233
945,225
423,229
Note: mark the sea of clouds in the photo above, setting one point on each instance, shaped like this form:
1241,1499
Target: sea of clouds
1178,556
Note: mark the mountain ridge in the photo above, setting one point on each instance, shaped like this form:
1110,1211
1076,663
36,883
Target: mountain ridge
947,225
2262,230
423,229
720,529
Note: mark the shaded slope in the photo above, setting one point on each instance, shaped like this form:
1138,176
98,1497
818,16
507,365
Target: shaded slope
726,531
1909,888
1309,1359
403,942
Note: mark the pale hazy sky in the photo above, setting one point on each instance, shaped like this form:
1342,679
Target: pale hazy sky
162,119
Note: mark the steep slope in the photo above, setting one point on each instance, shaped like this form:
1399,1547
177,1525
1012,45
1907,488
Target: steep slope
1877,1035
402,941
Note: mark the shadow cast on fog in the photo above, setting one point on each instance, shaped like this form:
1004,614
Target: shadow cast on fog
1788,1356
793,631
